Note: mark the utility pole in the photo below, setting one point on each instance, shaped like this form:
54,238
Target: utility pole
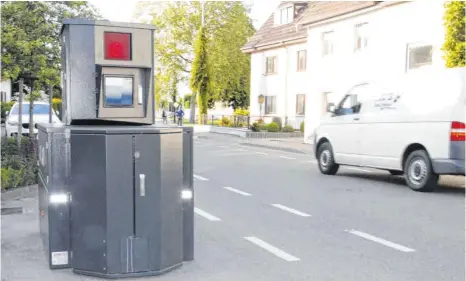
51,102
20,113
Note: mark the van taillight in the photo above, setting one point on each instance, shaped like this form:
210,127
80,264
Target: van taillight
457,131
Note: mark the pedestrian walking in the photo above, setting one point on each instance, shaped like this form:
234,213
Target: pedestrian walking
180,114
164,116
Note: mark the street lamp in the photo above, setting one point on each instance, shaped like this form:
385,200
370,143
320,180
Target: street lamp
261,102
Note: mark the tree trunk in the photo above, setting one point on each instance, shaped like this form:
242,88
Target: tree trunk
31,120
192,116
20,113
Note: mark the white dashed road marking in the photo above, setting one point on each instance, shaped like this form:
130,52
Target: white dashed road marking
271,249
200,178
261,153
234,154
312,161
237,191
290,210
286,157
206,215
381,241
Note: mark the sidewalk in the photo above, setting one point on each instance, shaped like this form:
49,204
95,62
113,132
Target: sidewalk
295,145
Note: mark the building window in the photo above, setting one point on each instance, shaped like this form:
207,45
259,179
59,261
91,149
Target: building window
361,36
300,104
286,15
270,104
327,43
271,65
302,60
3,97
419,56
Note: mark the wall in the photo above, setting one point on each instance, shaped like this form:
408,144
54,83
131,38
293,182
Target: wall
286,84
6,87
390,30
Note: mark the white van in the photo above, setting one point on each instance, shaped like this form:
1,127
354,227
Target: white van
413,125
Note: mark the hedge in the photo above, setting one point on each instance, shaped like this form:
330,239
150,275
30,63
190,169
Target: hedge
19,166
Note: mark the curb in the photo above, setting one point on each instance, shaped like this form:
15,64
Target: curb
279,148
19,192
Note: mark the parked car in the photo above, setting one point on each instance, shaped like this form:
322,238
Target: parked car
414,127
40,115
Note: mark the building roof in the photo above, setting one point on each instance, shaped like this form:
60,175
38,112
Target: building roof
271,34
308,12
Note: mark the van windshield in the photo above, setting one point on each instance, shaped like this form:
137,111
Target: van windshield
38,109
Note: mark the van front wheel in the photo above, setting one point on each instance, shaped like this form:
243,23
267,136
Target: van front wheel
419,173
326,160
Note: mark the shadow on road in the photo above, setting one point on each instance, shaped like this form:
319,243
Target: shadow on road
442,188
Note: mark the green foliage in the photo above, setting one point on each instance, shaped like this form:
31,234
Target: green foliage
279,122
241,112
187,101
19,166
288,129
227,28
30,36
257,127
225,122
301,127
199,73
6,106
454,47
273,127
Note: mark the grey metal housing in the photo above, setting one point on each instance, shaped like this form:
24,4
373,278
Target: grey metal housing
53,174
115,225
84,65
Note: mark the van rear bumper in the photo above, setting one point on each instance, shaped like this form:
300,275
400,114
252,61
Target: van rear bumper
448,167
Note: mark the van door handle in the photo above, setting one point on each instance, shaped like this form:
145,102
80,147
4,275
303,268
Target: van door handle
356,119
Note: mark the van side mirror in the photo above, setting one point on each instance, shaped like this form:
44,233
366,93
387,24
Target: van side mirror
6,112
331,107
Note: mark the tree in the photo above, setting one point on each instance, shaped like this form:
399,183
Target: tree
31,43
454,47
227,28
199,74
229,67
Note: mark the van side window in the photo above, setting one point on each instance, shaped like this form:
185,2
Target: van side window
348,105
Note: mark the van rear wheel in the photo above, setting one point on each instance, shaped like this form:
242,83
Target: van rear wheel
326,160
418,172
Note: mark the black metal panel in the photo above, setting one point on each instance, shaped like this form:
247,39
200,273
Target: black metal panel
120,202
54,219
81,72
188,205
88,205
171,209
148,199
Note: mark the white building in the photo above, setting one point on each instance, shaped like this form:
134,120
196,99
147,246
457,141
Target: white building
345,43
278,66
5,93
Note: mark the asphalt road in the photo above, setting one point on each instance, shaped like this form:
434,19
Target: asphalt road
270,215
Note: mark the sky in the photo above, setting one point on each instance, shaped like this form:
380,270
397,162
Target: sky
122,10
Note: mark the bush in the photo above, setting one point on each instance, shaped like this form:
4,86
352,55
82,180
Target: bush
278,121
225,122
273,127
256,127
301,127
288,129
6,106
19,166
241,112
